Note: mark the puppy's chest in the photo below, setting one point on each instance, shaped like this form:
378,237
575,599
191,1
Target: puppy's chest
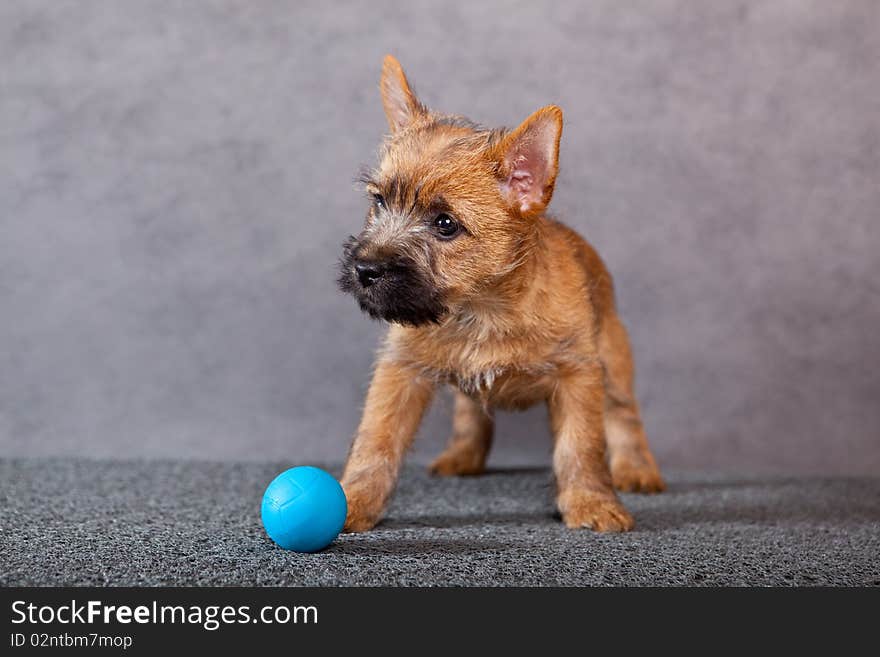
505,387
502,382
507,372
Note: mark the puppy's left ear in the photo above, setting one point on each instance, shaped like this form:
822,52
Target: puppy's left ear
528,160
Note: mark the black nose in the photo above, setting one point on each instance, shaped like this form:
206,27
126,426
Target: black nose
368,272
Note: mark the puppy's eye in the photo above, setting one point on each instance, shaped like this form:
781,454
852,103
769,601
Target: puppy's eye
379,201
446,226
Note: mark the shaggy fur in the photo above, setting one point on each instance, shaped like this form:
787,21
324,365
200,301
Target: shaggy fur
512,309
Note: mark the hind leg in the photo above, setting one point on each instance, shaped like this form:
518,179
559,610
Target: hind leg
471,439
633,468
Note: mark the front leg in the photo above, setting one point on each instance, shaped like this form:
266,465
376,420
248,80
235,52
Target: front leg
586,496
396,401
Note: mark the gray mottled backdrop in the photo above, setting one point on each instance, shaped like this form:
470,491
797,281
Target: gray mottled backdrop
176,179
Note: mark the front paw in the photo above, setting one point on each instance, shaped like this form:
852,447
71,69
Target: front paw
355,524
364,509
601,512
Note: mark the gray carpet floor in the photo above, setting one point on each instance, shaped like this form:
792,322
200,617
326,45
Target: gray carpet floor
66,522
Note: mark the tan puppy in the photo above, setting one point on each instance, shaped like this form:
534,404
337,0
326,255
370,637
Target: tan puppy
486,293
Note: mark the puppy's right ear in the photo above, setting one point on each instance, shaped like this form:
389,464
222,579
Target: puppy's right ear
401,104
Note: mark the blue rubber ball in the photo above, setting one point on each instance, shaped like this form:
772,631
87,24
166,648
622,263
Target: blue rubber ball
304,509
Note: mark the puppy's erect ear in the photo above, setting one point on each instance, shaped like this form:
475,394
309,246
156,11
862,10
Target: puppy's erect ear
528,160
401,104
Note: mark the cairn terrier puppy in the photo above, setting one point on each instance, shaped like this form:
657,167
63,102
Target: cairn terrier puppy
484,292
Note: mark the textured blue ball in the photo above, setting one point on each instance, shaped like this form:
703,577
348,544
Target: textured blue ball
304,509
